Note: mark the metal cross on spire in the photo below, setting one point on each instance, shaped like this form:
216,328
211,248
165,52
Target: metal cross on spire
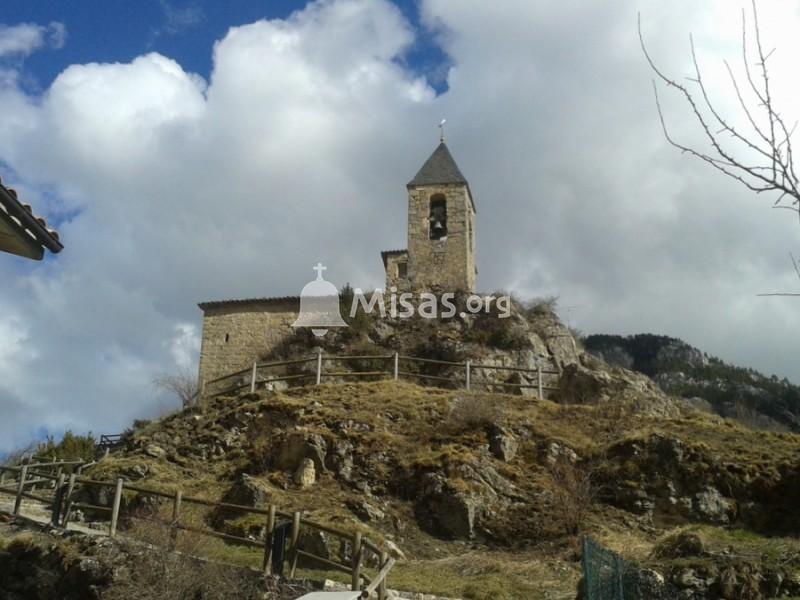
441,130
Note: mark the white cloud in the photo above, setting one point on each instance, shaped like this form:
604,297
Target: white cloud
298,149
24,39
57,35
178,19
185,345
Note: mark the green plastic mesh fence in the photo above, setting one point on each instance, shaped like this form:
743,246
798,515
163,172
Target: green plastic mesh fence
608,576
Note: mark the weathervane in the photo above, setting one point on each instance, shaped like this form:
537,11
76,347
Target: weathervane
441,130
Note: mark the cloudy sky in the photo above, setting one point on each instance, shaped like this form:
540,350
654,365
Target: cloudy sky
192,151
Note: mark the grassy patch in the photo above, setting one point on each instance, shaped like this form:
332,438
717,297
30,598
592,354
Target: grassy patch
482,576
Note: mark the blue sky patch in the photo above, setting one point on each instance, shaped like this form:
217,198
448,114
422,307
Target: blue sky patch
120,30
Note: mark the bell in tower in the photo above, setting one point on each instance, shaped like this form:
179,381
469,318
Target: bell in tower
438,218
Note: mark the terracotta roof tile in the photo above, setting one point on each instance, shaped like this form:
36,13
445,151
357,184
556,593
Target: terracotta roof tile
26,223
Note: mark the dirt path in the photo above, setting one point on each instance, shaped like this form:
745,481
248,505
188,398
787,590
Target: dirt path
41,514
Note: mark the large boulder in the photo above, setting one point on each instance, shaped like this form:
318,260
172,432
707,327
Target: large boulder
664,474
298,445
580,384
248,491
340,459
712,506
471,501
445,510
502,444
306,474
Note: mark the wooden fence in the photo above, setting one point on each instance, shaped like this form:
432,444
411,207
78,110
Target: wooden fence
257,376
109,442
61,493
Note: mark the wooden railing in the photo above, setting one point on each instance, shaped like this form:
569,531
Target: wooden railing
61,495
32,476
256,377
109,442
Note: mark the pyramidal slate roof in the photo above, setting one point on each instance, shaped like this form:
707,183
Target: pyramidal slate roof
440,168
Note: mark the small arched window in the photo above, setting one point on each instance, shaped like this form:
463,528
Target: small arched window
227,337
438,217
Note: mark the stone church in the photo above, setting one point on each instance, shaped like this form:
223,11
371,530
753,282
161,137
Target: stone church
440,256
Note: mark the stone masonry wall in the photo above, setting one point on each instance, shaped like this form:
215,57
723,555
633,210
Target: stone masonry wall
235,335
448,263
393,278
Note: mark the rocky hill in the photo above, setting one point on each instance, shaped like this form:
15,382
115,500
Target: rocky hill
760,401
481,494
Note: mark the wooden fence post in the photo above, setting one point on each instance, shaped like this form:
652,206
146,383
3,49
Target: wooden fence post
396,365
539,379
356,583
68,506
268,541
58,500
253,377
319,366
293,547
59,471
112,530
468,365
382,591
176,515
23,473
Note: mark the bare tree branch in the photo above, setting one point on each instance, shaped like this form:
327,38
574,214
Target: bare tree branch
778,294
777,173
771,145
181,384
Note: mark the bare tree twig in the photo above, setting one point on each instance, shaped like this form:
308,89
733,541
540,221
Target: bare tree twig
181,384
777,174
773,169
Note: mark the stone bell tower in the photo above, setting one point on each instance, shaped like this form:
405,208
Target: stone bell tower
441,226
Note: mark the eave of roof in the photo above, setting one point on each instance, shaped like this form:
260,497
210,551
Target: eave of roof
16,241
28,226
244,301
387,253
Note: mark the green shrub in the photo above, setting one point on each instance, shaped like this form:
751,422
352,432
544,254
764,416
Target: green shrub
540,307
71,447
360,323
476,411
491,330
680,545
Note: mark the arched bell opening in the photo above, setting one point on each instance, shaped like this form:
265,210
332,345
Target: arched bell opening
438,217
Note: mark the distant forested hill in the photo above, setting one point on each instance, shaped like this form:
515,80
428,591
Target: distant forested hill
761,401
